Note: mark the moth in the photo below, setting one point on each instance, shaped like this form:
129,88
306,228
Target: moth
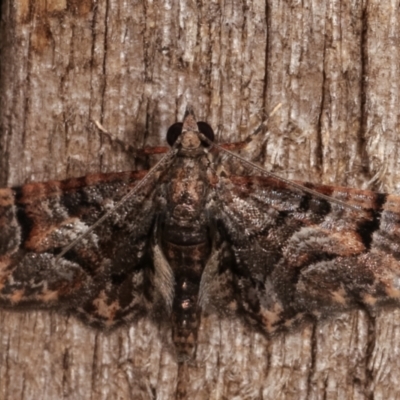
202,232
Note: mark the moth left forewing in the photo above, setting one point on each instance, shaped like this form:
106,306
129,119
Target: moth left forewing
297,254
366,273
327,257
251,220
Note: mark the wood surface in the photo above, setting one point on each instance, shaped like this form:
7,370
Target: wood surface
134,66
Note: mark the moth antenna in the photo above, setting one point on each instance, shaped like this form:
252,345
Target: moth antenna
266,120
128,148
279,178
240,145
112,138
128,196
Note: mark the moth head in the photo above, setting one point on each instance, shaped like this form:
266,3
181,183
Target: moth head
188,131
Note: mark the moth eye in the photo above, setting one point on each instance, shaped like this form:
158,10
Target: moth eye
206,130
176,129
173,132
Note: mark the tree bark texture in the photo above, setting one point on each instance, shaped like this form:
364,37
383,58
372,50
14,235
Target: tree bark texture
134,66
